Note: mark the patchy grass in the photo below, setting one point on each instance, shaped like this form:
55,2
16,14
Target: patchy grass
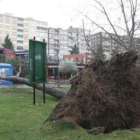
21,120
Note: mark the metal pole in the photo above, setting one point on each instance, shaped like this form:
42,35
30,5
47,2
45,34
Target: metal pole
44,65
34,73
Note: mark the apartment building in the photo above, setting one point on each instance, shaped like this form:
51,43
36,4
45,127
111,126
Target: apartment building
60,41
57,42
53,42
109,45
20,30
64,49
76,36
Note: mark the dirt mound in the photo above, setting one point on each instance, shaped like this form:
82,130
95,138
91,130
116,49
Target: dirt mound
104,94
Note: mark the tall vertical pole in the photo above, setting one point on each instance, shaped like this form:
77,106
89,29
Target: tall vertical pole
44,65
34,73
48,46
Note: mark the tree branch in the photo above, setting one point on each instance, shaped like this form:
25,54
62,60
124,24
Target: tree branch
96,54
120,42
108,19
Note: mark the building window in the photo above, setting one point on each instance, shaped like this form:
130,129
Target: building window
20,30
20,36
19,42
51,31
20,25
20,19
20,47
51,41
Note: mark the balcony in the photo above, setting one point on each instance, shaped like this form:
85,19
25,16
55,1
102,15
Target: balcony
20,39
19,33
20,22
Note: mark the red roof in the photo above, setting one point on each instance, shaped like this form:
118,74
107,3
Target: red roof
7,52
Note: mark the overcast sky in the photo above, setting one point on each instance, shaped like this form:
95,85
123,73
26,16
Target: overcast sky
64,13
58,13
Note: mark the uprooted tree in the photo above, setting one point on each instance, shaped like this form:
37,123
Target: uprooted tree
49,89
106,94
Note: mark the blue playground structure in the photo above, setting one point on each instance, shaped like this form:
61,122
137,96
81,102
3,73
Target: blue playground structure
5,71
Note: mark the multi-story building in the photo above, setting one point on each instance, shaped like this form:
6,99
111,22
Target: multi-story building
57,42
53,42
20,30
76,36
64,49
60,41
109,45
102,40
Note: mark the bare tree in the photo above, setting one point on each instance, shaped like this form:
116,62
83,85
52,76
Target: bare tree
130,23
88,44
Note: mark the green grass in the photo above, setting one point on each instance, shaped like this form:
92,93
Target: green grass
20,120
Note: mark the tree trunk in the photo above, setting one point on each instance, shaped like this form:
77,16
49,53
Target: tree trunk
49,89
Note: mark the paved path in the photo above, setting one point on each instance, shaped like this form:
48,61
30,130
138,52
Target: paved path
25,86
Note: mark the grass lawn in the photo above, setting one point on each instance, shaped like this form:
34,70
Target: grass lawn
20,120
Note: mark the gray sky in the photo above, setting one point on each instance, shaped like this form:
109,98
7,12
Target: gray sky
64,13
58,13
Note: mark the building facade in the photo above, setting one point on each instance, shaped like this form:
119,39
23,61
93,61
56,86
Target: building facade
20,30
53,42
77,58
109,45
64,49
57,42
60,41
76,36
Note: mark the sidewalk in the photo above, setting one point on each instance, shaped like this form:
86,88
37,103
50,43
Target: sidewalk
54,83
